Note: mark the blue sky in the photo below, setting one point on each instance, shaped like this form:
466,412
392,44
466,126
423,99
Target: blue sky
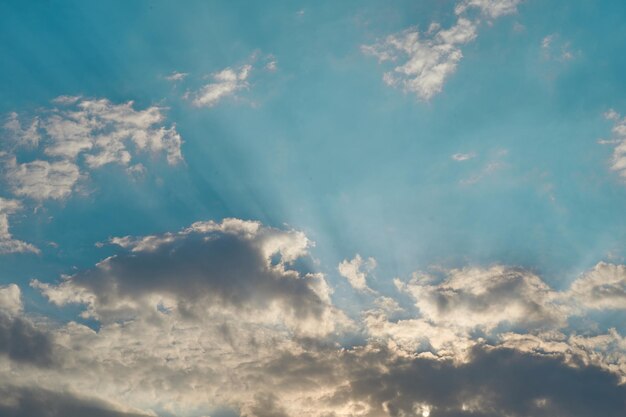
312,117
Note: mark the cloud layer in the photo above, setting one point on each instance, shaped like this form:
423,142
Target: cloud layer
229,314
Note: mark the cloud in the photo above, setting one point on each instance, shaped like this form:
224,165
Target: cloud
230,314
602,288
176,76
225,83
229,265
490,8
494,382
96,132
20,340
355,271
427,62
42,180
460,157
618,160
424,61
496,164
28,402
486,298
11,299
7,243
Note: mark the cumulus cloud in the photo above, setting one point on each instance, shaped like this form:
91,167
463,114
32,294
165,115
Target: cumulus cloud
225,83
428,59
486,298
229,314
20,340
355,272
22,136
42,180
602,288
618,160
229,265
79,135
7,243
424,61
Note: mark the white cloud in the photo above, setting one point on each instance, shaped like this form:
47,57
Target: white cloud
489,8
102,132
602,288
42,180
355,272
225,83
7,243
618,159
426,63
486,298
11,299
176,76
27,137
463,156
80,135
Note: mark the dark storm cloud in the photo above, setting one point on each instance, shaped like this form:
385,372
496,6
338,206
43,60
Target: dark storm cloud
36,402
22,342
200,269
494,383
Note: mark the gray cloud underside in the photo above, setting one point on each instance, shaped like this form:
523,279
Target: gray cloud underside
22,342
218,315
35,402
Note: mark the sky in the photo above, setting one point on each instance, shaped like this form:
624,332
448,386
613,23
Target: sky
313,208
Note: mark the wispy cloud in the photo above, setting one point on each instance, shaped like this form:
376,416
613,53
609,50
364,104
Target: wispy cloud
225,83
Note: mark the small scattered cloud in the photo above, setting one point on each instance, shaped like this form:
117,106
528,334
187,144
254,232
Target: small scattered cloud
556,49
226,83
176,76
8,244
460,157
618,159
424,61
356,270
427,60
489,8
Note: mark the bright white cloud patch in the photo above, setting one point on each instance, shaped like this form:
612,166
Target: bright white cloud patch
424,61
7,243
11,299
602,288
355,271
486,298
225,83
98,131
44,157
428,59
42,180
